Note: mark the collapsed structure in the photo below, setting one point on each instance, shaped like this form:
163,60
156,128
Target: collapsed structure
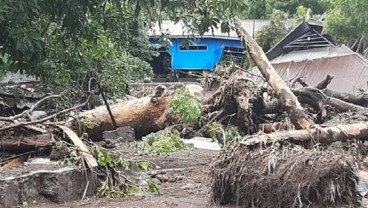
308,54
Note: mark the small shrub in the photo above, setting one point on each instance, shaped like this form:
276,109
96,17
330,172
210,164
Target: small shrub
232,132
186,106
216,132
162,143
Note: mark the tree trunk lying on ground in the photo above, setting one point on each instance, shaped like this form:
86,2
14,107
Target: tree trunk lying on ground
145,115
361,100
25,144
321,135
283,176
288,99
317,99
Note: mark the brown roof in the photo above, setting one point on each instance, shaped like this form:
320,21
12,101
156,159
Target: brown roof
350,71
349,68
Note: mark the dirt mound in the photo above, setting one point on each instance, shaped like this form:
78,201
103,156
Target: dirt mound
283,176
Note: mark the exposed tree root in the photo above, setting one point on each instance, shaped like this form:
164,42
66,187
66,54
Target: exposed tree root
279,177
237,98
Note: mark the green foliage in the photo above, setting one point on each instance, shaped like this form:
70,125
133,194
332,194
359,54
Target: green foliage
232,132
67,42
213,131
186,106
113,165
301,13
347,23
153,188
271,34
162,143
216,133
264,8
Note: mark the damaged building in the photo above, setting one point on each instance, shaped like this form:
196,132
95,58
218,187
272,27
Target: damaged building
309,54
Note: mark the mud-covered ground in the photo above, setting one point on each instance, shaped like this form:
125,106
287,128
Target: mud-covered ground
189,186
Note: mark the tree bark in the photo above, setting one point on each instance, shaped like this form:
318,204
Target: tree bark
288,99
316,98
25,144
322,135
361,100
145,115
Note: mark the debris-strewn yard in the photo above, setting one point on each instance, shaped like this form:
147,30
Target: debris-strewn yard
183,182
255,141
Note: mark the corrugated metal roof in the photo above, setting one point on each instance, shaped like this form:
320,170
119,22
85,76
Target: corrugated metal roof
179,29
311,54
350,71
301,29
349,68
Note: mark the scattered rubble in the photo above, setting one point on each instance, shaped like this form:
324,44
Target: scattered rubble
277,145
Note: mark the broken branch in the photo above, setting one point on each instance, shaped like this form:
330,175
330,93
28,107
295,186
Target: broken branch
20,124
322,135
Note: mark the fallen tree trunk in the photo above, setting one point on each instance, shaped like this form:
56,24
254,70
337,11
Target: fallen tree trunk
316,98
361,100
145,115
288,99
343,106
25,144
283,176
321,135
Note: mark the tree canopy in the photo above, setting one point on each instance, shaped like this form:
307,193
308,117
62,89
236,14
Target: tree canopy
64,41
347,23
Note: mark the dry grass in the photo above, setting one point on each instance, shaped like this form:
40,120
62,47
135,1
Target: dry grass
283,176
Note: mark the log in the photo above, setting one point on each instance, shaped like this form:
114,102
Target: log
25,144
343,106
272,127
288,99
322,135
317,99
314,98
361,100
145,115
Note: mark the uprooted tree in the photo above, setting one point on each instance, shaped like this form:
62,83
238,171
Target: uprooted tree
296,167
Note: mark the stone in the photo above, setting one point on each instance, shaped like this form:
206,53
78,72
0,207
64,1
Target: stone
121,135
35,115
56,184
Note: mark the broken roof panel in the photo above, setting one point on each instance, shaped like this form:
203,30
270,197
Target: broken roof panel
349,68
350,71
310,30
311,54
